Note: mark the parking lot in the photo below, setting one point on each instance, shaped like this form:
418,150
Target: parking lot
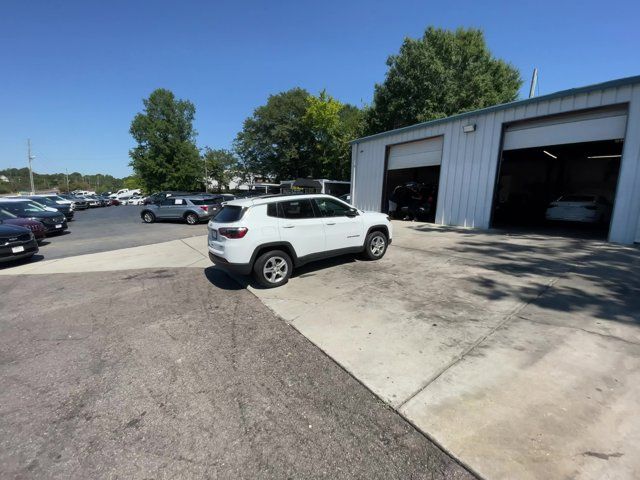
518,354
110,228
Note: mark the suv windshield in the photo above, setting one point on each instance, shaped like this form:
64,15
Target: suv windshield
22,207
44,200
6,215
228,214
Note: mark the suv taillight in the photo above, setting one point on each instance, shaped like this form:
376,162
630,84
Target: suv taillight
235,232
204,207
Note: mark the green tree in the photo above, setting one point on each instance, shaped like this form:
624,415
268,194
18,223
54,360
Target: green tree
166,157
221,166
331,124
438,75
299,135
275,141
132,183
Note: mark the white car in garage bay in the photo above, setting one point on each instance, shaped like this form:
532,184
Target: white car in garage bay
583,208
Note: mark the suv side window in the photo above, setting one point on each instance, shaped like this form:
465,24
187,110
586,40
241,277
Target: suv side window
296,209
331,208
167,201
272,209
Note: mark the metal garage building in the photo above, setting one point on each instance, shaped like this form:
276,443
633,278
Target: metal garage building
515,156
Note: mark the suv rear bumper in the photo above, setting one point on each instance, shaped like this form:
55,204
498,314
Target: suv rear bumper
239,268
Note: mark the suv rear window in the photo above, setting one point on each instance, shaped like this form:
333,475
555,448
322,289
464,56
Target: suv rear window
200,201
228,214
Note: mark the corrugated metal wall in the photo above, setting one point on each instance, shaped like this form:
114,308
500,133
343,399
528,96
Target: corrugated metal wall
469,160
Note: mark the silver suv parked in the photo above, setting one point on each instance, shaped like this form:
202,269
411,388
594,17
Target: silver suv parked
191,209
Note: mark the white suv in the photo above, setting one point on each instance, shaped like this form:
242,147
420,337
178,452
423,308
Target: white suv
271,235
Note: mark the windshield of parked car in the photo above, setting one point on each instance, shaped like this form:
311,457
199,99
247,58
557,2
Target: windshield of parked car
6,215
228,214
45,201
20,208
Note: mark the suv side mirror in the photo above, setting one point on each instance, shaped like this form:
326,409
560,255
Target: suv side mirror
352,213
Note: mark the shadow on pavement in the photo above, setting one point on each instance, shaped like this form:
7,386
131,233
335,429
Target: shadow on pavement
230,281
592,277
221,279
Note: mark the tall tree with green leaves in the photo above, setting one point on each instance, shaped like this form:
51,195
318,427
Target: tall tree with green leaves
441,74
221,166
331,124
166,157
299,135
275,141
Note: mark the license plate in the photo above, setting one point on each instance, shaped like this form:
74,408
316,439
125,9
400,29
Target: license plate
17,249
58,226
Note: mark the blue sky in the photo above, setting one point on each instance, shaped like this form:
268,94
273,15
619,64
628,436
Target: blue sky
74,72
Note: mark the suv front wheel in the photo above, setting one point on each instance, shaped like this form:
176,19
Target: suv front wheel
375,246
273,269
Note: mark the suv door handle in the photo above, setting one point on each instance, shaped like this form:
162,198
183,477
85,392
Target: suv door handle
333,223
288,226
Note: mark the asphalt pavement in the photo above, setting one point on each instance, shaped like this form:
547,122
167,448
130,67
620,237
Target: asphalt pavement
181,373
111,228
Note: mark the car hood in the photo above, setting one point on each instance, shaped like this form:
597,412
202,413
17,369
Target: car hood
12,230
21,222
47,214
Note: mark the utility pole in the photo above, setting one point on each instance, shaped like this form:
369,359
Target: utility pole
31,157
534,83
66,174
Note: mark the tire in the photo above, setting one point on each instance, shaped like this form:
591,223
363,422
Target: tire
148,217
263,269
375,245
191,218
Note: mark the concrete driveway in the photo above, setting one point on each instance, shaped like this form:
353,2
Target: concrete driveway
519,354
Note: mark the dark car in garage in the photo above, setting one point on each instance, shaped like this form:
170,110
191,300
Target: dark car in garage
8,218
16,243
53,222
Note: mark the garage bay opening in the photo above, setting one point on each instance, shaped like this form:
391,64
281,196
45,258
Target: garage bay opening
558,174
412,180
559,188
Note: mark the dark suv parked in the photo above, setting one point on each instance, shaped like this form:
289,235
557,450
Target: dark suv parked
54,222
52,202
16,243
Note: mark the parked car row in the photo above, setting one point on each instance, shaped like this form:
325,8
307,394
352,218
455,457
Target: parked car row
25,221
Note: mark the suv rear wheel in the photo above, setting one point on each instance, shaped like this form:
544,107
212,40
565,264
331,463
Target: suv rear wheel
191,218
273,269
375,246
148,217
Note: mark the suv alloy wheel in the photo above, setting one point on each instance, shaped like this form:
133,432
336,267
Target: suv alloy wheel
273,269
148,217
191,218
375,246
